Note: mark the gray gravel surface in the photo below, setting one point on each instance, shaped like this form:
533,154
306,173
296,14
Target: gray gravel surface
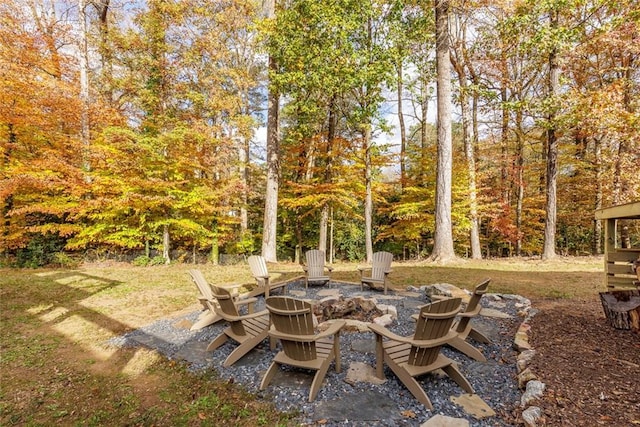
389,404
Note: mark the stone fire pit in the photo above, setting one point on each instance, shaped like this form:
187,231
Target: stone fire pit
358,311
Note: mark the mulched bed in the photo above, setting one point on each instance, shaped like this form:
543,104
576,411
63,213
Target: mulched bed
591,370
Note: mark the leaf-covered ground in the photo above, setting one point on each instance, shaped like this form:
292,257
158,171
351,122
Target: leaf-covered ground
591,370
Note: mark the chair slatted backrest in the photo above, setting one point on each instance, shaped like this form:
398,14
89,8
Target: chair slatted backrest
227,309
434,321
381,263
294,317
258,266
201,283
315,263
479,290
473,304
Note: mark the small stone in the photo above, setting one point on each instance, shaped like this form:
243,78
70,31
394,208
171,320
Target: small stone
331,299
389,309
527,355
361,372
356,326
531,415
183,324
496,314
329,292
472,404
447,290
521,342
384,320
297,293
444,421
525,376
533,392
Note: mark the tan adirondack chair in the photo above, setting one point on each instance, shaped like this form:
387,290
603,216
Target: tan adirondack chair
410,357
465,329
248,330
209,315
292,324
258,266
314,270
379,271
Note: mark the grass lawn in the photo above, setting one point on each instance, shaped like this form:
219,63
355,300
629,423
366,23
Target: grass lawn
56,369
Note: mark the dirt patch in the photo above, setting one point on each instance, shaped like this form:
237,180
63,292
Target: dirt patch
591,370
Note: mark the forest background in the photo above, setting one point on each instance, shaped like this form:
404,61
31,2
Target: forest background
128,129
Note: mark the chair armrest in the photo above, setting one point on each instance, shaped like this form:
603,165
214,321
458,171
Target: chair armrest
388,271
229,318
245,301
290,337
278,285
471,313
435,342
332,330
381,330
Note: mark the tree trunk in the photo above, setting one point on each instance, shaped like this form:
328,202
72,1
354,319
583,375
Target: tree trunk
504,129
104,49
298,250
403,132
8,199
328,173
84,87
423,130
476,251
273,173
458,61
166,245
549,250
597,224
324,225
243,154
269,251
443,238
519,180
331,238
368,201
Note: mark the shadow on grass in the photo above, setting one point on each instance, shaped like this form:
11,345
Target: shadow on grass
57,369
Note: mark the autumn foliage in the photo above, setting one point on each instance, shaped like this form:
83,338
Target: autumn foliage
173,164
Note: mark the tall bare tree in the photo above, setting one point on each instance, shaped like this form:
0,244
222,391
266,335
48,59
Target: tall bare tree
443,239
273,159
549,249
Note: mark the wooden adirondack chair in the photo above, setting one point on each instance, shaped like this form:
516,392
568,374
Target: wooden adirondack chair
465,329
258,266
248,330
292,324
380,269
209,315
314,271
411,357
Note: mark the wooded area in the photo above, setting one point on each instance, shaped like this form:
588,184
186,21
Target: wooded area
130,129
